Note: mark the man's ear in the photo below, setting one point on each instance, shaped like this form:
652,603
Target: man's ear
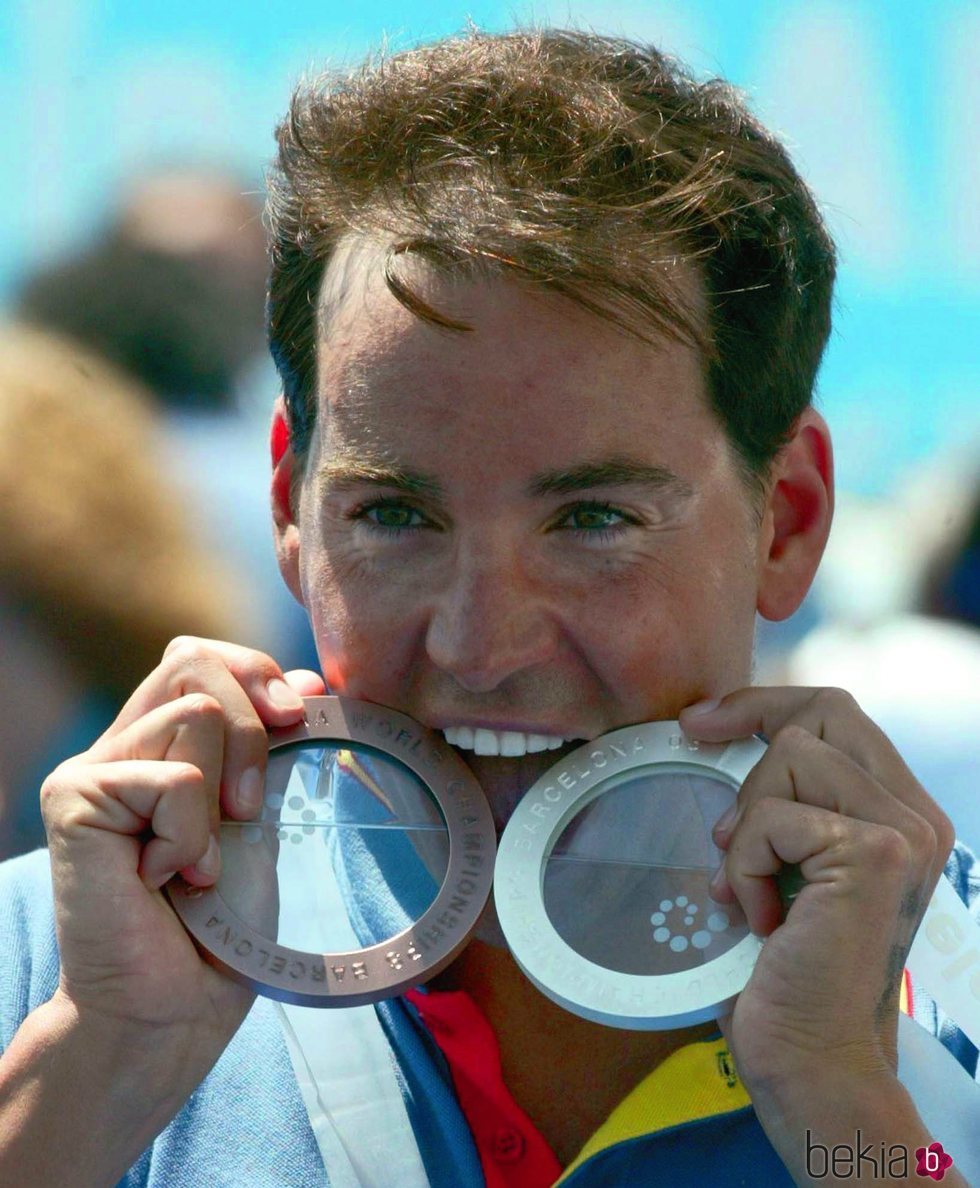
284,521
796,519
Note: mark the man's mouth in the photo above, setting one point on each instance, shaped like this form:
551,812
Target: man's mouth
508,761
510,744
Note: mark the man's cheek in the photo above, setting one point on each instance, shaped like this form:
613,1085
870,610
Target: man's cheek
333,633
376,578
358,655
335,673
655,662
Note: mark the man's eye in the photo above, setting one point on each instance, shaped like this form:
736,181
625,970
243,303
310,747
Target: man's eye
390,516
594,518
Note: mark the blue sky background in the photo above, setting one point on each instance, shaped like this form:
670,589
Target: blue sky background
878,100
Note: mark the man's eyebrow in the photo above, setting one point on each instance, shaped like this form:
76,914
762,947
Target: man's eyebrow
342,474
610,472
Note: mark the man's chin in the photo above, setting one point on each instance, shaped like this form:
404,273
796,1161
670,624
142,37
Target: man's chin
504,781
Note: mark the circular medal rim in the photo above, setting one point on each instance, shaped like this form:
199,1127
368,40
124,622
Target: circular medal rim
457,793
643,1001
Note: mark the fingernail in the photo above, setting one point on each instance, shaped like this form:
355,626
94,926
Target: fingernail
281,694
249,791
726,821
703,708
210,863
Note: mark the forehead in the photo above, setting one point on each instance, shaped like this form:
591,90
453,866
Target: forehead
536,373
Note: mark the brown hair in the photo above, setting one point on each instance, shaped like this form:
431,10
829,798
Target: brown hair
584,164
97,549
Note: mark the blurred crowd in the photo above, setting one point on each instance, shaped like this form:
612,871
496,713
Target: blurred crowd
134,401
134,408
897,623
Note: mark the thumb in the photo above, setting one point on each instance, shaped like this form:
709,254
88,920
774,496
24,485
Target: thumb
305,682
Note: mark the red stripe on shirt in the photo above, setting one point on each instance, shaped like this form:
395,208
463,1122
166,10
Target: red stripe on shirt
513,1152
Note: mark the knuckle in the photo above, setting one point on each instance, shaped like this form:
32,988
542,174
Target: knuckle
202,707
790,739
53,791
181,644
944,832
834,701
758,806
922,837
756,816
838,831
188,779
65,799
71,820
890,850
186,652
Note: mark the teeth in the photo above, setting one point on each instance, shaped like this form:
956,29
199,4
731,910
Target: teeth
486,742
510,743
460,736
513,743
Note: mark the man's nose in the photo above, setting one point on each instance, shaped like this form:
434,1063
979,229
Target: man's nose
490,622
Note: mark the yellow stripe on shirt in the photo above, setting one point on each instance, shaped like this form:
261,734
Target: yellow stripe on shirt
697,1081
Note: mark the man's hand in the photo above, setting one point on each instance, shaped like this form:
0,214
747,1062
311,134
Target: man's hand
831,794
139,1018
144,803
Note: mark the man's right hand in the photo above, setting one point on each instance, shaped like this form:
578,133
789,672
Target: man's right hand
144,803
138,1019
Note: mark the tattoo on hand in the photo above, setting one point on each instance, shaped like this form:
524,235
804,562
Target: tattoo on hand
893,978
911,905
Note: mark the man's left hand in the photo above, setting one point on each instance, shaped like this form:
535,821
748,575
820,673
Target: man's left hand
832,795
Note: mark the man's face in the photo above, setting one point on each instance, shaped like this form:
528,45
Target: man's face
534,531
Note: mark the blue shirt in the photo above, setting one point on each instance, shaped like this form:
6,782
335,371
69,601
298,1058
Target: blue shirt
246,1123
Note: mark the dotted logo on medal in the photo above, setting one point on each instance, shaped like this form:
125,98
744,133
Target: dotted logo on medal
681,924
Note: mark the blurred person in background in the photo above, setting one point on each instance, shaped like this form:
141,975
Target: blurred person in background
99,568
899,597
951,582
172,293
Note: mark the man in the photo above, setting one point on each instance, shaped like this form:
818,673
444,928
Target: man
548,317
